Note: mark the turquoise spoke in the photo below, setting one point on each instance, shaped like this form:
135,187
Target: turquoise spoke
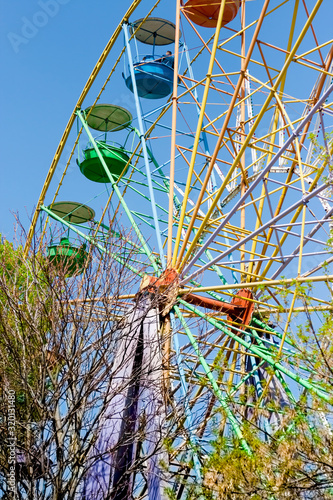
118,193
217,391
258,352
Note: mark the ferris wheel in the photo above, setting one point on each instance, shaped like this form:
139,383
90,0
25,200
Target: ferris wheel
219,179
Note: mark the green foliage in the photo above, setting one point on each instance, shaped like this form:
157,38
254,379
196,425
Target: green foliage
22,284
291,462
319,152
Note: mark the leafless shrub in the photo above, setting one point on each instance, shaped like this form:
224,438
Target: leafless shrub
64,346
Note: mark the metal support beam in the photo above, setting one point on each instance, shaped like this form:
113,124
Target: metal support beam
303,201
187,409
261,176
144,146
118,193
217,391
259,352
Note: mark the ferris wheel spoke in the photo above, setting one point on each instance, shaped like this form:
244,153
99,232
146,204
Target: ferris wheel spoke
257,180
246,142
222,399
252,371
117,191
199,127
287,211
283,391
144,147
217,147
173,137
296,252
257,351
188,411
176,206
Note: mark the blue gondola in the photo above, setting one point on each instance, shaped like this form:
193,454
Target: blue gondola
154,78
153,73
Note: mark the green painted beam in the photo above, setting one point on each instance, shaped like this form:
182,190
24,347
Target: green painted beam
258,352
118,193
217,391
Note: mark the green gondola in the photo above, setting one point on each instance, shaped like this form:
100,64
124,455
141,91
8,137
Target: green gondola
114,157
71,258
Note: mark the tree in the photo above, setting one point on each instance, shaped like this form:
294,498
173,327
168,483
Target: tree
66,352
296,460
82,357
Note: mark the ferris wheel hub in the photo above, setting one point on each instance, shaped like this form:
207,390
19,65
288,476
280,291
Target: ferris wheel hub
165,288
